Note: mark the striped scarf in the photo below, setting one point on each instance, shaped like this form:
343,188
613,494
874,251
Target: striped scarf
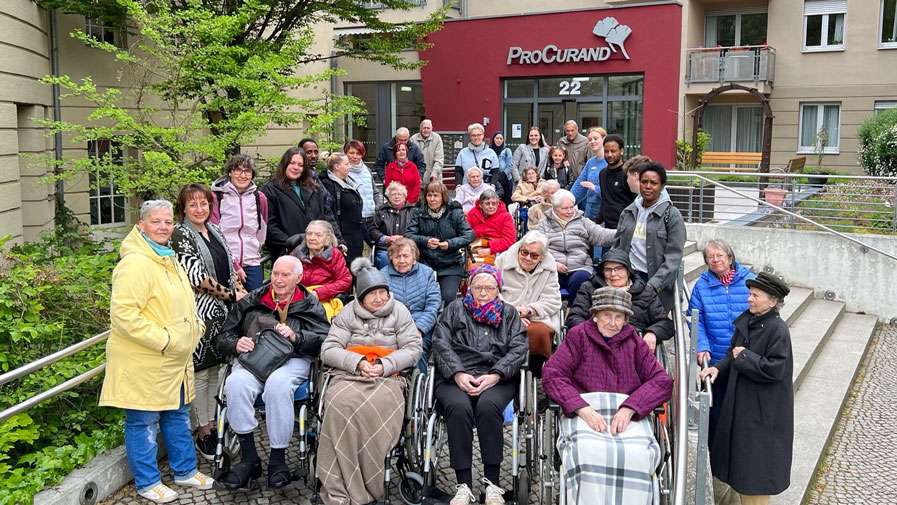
727,277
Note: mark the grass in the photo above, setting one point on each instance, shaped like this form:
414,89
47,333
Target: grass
852,207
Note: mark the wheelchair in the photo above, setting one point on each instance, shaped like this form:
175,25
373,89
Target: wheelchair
522,440
521,218
408,451
228,447
551,471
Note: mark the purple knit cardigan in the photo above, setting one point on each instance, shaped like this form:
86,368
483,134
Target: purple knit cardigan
585,363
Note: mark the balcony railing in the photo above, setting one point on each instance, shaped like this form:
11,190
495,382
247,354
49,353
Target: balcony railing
731,64
379,5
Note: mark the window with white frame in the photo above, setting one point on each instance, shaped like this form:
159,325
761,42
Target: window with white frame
99,30
107,204
888,24
881,105
820,128
824,25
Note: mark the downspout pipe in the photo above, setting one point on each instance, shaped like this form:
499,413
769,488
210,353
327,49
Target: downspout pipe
57,110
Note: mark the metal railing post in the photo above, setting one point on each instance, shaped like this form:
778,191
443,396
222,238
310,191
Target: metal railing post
682,399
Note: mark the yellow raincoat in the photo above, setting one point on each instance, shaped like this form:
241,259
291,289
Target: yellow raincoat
154,331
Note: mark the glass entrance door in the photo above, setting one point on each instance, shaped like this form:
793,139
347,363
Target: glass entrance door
551,120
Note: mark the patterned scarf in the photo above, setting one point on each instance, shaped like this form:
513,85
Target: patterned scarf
436,214
489,313
726,278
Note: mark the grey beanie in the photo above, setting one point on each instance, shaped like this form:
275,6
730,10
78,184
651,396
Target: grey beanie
367,278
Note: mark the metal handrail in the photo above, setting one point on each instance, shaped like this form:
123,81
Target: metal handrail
44,362
787,212
682,393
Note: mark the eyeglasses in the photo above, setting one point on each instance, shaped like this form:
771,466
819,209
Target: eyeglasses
483,289
611,270
241,171
714,257
527,254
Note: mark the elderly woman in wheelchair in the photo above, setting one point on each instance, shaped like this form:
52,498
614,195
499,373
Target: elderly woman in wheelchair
370,341
479,346
607,381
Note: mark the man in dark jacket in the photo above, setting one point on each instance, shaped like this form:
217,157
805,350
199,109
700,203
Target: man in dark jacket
288,308
648,315
615,193
385,156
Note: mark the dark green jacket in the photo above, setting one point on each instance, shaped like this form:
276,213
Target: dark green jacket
451,227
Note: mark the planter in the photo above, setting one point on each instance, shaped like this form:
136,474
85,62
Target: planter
819,181
774,196
695,203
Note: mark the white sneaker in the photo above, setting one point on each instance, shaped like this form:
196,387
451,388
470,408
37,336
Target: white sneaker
494,494
160,493
463,496
198,480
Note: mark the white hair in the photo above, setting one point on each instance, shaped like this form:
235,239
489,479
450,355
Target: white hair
569,122
426,121
396,186
297,264
551,183
475,126
471,169
150,206
561,195
402,131
535,237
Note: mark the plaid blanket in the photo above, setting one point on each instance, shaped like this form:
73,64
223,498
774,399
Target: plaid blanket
362,422
602,469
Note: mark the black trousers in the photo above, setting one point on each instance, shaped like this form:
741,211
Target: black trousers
462,412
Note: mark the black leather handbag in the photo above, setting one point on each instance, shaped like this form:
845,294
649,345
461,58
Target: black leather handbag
272,350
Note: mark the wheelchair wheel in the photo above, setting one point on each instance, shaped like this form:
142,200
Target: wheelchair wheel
547,471
411,489
523,485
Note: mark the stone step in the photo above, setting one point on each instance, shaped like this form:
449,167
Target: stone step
809,332
818,402
694,266
690,247
795,303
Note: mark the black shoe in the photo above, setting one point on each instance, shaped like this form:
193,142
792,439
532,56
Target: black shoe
242,476
206,446
279,476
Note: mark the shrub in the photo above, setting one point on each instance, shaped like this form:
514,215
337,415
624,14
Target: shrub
53,293
684,149
878,144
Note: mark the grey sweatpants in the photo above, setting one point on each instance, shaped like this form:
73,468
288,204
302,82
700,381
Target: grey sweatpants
242,388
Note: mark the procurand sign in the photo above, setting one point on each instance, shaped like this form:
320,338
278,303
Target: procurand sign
613,33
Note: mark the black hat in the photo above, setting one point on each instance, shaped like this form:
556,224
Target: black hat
770,284
617,256
367,278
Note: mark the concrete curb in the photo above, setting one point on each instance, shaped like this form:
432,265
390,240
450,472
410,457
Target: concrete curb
96,481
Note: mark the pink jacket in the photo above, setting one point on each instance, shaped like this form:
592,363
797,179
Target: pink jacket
238,217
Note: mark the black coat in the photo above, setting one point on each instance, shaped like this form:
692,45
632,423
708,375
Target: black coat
385,157
648,313
460,344
387,220
306,317
287,217
753,442
452,227
347,206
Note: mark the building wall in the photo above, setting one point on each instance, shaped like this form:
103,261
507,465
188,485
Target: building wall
25,207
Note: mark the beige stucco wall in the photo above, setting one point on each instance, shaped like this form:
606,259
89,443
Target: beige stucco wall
25,207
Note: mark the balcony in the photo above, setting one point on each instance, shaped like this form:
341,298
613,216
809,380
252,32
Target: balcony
710,67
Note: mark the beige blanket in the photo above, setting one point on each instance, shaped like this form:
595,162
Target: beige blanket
362,422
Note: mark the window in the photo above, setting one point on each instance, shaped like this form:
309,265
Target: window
732,29
100,30
107,204
820,127
888,24
881,105
824,25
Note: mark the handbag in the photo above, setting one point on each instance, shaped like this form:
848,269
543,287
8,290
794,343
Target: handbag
272,350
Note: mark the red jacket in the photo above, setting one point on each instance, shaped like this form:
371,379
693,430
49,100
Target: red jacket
407,175
498,228
327,270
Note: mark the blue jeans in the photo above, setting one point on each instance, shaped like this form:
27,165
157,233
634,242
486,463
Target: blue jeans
571,282
141,428
422,363
382,259
254,277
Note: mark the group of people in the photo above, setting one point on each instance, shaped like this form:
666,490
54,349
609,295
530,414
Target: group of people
189,295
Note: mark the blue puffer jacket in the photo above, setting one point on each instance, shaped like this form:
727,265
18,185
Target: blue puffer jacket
418,290
719,306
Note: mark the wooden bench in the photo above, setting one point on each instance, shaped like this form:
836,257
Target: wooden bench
744,162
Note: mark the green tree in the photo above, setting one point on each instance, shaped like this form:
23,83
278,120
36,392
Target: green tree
878,144
204,77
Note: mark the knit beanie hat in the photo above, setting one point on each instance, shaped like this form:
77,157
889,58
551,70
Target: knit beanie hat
367,278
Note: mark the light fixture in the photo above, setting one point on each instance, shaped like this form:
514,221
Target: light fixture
406,88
